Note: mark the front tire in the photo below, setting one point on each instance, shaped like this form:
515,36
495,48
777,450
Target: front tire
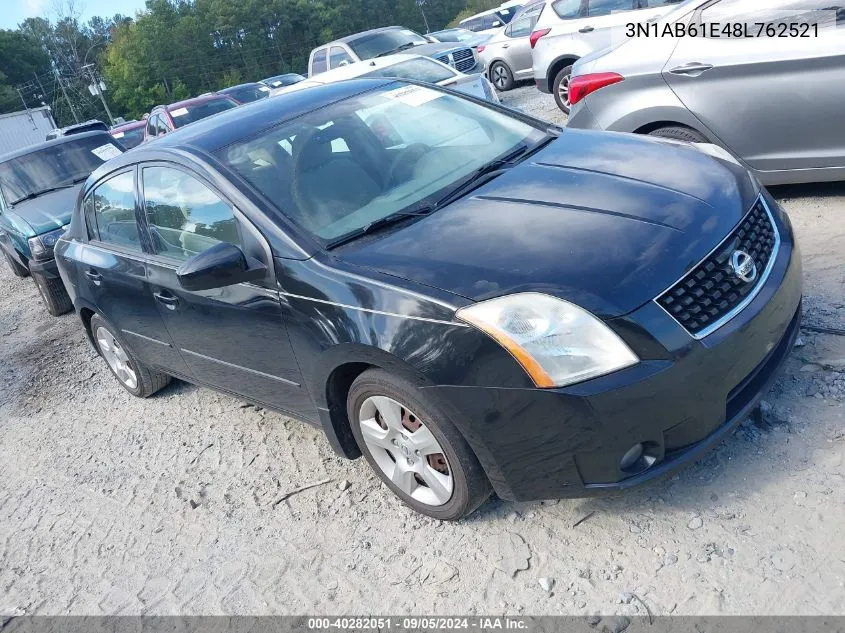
18,270
501,76
560,89
53,294
679,133
414,448
138,379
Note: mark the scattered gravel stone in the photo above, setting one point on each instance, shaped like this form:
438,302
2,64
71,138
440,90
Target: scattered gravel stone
670,559
345,484
626,597
695,523
547,583
784,560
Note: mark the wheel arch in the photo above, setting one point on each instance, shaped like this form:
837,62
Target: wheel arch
559,64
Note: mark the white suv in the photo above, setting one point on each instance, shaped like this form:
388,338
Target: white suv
570,29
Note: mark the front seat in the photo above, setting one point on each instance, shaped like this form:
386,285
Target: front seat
327,186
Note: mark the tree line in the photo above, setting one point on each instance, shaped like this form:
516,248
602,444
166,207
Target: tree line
175,49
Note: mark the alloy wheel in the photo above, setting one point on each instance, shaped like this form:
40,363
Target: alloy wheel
116,357
406,451
500,77
563,91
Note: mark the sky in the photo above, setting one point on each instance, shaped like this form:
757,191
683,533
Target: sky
16,11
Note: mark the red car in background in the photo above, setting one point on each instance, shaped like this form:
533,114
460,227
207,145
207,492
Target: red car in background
164,119
129,134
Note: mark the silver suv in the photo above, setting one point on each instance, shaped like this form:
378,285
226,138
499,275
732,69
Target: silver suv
570,29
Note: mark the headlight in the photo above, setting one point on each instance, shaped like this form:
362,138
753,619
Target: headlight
556,342
42,245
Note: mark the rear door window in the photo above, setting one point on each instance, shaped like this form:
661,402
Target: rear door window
318,64
114,211
598,8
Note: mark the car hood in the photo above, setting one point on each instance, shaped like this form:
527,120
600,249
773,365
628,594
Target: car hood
436,48
605,220
50,211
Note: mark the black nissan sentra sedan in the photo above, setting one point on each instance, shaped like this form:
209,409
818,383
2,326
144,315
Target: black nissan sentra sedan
469,297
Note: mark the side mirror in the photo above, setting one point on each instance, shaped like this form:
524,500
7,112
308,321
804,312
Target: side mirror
217,267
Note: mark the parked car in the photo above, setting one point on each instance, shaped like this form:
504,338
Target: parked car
164,119
388,41
472,300
246,93
402,66
77,128
567,30
129,135
462,36
280,81
734,95
489,22
38,190
507,55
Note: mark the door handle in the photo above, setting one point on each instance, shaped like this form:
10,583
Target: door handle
586,29
505,45
693,69
94,276
166,299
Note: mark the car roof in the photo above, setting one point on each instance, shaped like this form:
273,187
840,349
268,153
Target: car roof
129,125
72,138
218,131
190,102
355,36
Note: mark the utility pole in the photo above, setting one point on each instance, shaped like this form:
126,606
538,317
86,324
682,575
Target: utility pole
64,92
43,93
420,4
95,82
26,107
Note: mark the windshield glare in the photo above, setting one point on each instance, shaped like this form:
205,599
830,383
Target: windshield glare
57,166
193,113
345,166
384,42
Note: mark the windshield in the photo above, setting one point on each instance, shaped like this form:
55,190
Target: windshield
420,68
248,94
345,166
458,35
130,138
283,80
385,42
52,167
193,113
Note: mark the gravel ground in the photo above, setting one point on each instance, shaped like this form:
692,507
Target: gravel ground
527,98
176,505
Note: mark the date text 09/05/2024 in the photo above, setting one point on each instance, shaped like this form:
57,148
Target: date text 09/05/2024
413,623
715,30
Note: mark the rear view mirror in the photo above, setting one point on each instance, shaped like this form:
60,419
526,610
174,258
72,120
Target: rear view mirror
221,265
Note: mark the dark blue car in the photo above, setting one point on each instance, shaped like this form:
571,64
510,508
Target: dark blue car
38,190
468,297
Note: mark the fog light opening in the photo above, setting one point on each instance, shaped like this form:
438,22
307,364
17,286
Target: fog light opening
639,458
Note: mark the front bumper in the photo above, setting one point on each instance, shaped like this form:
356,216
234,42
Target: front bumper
568,442
47,268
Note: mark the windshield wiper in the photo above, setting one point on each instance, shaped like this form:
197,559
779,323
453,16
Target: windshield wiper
36,194
398,49
381,223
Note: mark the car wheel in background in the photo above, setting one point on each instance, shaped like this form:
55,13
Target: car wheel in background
679,133
560,89
414,448
53,294
17,269
136,378
501,76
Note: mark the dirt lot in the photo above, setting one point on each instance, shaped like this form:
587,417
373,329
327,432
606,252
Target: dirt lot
110,504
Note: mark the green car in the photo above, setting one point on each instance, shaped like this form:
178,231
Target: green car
38,190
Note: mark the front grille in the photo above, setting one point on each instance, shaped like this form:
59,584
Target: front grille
710,293
461,60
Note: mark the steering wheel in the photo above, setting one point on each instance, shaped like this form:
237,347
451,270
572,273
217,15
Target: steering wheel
405,159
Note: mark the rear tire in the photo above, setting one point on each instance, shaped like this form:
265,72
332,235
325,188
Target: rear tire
138,379
679,133
560,89
501,76
53,294
18,270
458,484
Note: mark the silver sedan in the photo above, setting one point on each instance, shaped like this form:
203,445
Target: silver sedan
774,102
